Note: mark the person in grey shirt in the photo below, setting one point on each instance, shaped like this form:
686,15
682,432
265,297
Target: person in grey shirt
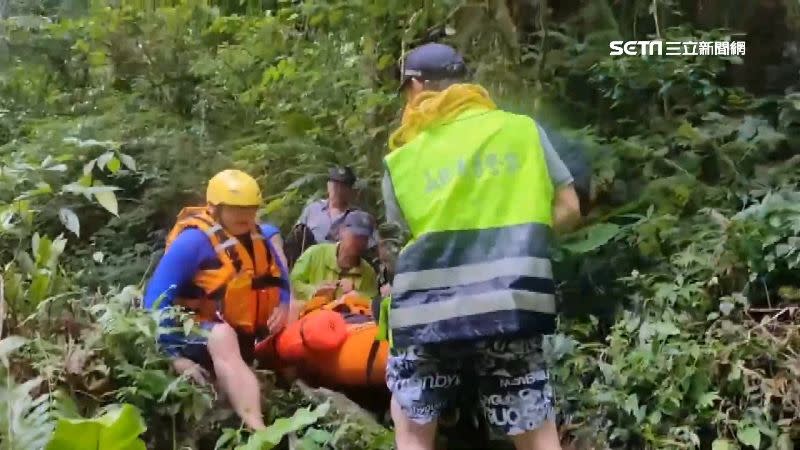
324,217
559,175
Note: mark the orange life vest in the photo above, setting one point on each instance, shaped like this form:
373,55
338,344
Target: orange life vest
243,291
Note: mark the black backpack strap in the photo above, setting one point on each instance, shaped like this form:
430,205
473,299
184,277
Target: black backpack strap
299,239
373,354
335,237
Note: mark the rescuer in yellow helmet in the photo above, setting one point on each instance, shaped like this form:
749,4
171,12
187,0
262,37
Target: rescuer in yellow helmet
230,273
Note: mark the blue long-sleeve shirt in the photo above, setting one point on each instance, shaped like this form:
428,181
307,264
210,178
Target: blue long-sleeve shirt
190,252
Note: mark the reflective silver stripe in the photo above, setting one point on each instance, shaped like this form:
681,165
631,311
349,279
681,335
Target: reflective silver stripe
468,305
524,266
443,249
214,229
228,243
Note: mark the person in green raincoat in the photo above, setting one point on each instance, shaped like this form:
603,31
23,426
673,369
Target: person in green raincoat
339,267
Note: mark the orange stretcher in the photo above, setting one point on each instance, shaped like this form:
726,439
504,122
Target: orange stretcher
333,342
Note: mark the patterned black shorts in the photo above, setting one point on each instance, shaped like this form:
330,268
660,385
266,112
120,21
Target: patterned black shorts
512,381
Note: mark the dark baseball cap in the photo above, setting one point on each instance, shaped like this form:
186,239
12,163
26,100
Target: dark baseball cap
432,61
359,222
342,174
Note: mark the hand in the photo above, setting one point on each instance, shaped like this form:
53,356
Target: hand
277,320
295,308
386,289
327,285
194,371
347,285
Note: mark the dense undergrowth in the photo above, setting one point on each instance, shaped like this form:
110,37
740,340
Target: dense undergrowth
680,325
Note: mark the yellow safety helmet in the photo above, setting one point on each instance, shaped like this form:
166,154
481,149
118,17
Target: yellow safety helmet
234,188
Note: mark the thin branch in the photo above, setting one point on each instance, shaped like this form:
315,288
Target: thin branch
655,18
763,324
543,50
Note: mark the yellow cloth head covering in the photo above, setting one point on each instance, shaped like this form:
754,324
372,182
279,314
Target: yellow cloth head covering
433,108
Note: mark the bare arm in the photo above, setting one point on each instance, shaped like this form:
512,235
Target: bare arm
566,209
566,206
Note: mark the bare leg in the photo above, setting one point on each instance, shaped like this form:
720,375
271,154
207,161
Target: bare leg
234,376
410,435
542,438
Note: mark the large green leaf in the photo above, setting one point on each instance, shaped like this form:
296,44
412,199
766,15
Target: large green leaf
591,238
104,159
70,220
722,444
128,161
107,200
749,436
113,165
117,429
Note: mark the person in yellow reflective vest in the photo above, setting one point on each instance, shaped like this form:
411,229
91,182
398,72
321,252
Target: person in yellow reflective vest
479,191
334,269
229,273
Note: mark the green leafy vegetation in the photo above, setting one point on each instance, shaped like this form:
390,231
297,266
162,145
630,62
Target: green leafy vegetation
680,325
119,428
